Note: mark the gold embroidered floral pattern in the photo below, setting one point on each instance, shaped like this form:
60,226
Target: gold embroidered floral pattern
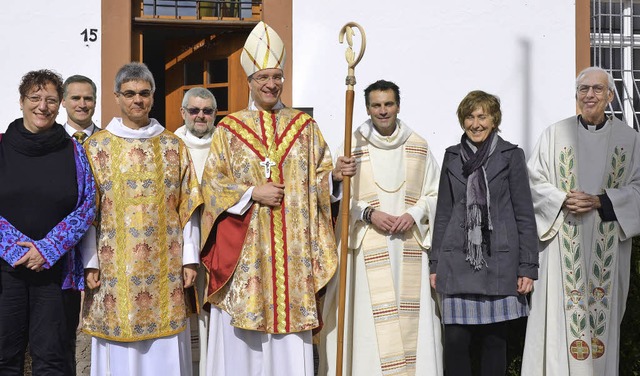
144,204
289,251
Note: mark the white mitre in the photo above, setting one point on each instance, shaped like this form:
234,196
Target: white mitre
263,50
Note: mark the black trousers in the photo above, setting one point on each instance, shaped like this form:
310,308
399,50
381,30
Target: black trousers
489,340
35,310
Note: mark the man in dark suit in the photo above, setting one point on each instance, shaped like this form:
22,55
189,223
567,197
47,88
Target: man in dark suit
79,99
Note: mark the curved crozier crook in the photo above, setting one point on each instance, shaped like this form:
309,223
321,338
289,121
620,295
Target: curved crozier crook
348,30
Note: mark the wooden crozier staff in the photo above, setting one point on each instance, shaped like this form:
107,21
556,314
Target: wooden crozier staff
346,182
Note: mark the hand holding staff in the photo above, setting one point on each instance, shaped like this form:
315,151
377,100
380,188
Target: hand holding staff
346,187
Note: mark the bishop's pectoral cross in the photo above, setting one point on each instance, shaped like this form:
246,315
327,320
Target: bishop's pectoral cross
267,164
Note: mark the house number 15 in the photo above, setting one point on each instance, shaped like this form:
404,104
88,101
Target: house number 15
90,35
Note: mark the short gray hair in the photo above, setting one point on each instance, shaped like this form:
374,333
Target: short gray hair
199,92
611,84
134,72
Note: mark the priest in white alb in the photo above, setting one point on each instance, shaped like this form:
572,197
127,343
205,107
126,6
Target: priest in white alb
392,321
585,182
198,111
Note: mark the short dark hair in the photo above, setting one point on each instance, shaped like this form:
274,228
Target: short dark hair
489,103
382,85
78,78
38,79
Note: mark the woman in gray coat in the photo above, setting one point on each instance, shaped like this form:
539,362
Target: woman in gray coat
484,254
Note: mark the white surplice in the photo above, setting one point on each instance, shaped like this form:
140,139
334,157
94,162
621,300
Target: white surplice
361,354
198,150
573,326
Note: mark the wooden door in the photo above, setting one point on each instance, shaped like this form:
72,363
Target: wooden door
212,62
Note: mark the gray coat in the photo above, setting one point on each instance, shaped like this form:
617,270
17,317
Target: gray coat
513,249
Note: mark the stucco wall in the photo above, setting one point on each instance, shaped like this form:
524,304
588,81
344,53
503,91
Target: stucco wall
523,51
48,34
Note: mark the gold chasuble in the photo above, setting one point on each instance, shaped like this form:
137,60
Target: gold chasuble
147,191
289,251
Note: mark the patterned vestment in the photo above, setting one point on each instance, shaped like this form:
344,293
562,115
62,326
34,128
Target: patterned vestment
289,251
579,299
147,191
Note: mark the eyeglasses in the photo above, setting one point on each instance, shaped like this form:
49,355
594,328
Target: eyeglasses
263,79
130,93
49,100
597,89
195,110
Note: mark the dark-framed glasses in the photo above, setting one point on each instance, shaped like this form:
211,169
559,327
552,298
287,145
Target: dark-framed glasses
130,93
263,78
597,89
195,110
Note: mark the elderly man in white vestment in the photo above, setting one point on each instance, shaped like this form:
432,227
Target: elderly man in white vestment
392,320
147,239
585,182
198,111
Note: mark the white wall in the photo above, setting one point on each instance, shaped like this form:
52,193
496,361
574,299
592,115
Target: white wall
39,34
521,50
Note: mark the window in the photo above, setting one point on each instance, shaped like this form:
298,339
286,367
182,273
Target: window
213,75
199,9
615,46
175,8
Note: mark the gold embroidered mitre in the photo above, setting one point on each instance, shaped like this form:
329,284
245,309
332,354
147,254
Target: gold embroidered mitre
263,50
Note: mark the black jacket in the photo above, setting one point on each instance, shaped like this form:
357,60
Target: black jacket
513,249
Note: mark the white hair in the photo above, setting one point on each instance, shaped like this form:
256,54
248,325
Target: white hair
581,75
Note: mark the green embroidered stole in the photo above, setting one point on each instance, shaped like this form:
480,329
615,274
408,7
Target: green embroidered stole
587,289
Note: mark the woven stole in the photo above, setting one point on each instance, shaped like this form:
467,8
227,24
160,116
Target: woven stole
396,326
587,289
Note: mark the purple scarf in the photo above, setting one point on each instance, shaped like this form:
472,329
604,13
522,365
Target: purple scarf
59,244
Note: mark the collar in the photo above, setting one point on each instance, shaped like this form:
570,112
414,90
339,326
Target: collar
598,126
252,105
192,141
497,162
117,128
88,130
398,138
